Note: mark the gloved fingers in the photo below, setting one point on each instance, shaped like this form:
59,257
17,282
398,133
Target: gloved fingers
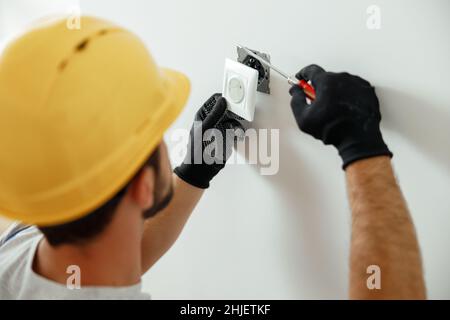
296,91
310,73
298,102
216,114
237,128
219,143
235,132
232,115
360,81
298,97
207,107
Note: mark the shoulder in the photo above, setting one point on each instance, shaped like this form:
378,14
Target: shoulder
17,247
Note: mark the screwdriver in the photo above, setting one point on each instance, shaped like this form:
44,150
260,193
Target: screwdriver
307,88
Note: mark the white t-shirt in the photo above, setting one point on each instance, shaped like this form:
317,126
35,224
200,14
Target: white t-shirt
18,280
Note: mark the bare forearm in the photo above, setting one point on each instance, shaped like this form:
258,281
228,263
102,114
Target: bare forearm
161,231
382,234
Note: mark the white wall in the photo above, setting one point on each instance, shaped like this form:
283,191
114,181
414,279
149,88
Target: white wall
287,235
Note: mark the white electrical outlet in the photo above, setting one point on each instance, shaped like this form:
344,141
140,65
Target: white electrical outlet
239,88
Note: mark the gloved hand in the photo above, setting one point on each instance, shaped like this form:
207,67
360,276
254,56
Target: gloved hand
345,113
211,142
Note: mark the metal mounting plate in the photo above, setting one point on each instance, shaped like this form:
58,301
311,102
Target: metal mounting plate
263,71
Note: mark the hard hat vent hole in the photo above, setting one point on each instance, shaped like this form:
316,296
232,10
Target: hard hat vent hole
62,65
82,45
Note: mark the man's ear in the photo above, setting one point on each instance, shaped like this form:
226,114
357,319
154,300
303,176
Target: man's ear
142,188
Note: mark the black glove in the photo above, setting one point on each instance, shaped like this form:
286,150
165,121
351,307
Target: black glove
345,113
206,157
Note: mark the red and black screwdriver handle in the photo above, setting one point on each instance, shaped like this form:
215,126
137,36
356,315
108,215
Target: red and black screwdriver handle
308,89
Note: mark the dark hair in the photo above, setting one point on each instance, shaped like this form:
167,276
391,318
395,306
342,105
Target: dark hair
86,228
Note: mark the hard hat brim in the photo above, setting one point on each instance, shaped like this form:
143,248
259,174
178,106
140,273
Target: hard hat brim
180,86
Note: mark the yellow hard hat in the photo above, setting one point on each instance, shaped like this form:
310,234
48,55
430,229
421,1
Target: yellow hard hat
80,112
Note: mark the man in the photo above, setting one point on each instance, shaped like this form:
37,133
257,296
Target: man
87,172
82,115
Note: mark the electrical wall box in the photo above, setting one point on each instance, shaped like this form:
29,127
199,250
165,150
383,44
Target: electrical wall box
239,88
263,70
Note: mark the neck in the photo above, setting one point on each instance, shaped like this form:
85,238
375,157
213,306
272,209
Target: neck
113,258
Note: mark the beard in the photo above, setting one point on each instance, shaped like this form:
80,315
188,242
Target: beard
160,204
